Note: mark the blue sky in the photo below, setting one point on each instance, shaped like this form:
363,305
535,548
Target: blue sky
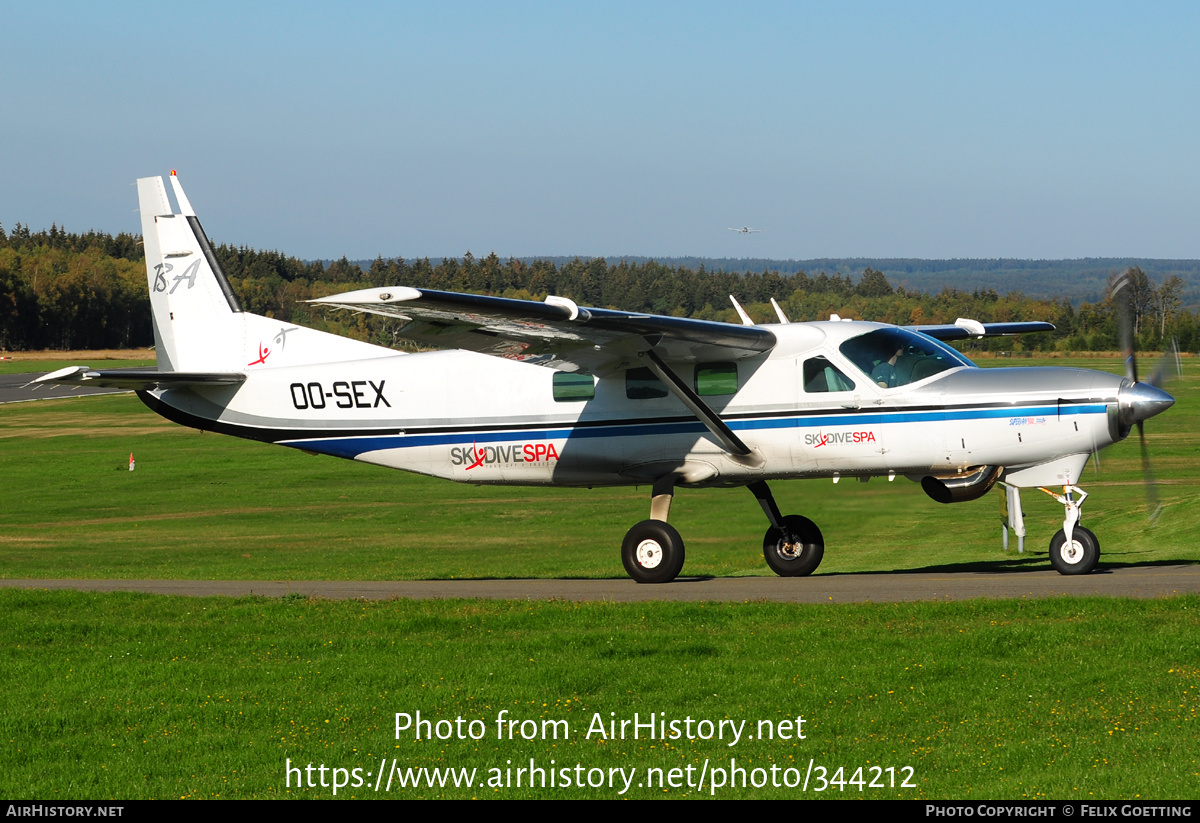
890,129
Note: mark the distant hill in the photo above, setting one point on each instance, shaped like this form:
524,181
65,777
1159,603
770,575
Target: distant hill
1081,281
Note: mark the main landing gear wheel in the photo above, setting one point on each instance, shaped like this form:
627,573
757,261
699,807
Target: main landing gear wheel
652,552
798,556
1078,557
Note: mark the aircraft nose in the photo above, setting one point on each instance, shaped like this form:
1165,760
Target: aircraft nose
1141,401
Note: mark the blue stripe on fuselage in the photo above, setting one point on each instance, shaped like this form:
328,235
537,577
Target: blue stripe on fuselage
351,447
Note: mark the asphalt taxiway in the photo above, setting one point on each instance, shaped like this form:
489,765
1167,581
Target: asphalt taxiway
1141,582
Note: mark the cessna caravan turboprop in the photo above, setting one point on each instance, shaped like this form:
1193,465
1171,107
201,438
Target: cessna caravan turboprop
534,393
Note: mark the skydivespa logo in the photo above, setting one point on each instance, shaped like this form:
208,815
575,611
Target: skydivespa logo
474,456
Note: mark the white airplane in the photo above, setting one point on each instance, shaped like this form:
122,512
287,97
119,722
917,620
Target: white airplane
552,393
745,230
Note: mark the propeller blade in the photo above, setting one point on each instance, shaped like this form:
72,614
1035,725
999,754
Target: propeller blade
1168,367
1148,478
1122,294
1147,472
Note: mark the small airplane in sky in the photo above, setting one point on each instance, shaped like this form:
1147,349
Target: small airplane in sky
547,393
745,230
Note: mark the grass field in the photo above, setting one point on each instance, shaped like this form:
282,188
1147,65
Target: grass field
202,505
48,361
129,696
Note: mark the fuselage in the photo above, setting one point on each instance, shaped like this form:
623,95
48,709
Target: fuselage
805,409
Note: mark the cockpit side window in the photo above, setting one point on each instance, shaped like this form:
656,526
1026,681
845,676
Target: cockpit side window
822,376
896,357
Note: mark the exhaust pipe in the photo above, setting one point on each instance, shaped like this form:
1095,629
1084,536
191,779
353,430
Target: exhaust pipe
962,487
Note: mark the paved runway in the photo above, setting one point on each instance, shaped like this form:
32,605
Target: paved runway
17,388
1136,582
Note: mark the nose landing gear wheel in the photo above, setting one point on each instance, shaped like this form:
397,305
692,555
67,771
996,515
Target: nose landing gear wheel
652,552
798,556
1078,557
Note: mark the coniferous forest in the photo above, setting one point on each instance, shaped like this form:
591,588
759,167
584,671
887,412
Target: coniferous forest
60,290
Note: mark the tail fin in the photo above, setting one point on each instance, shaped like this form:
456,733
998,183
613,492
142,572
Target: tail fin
197,318
199,326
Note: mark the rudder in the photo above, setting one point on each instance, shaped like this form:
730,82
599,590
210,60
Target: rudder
198,322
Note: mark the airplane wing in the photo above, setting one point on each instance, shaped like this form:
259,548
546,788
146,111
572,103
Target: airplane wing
557,333
965,329
140,379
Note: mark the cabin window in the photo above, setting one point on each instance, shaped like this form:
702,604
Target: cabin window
643,384
822,376
573,387
716,378
896,357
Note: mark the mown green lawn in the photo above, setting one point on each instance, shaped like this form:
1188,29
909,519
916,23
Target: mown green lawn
203,505
126,696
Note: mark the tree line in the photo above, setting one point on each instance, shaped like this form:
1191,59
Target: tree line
60,290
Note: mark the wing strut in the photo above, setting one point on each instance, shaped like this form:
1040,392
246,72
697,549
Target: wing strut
711,420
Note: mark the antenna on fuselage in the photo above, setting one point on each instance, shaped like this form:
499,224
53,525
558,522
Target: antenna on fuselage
746,321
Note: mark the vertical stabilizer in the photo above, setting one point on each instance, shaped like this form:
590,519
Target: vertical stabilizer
198,323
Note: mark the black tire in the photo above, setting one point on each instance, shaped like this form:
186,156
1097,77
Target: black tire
799,559
1079,558
652,552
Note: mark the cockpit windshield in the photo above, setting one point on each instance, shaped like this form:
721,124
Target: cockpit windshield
896,357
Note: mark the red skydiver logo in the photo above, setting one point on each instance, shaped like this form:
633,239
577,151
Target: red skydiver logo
480,455
262,355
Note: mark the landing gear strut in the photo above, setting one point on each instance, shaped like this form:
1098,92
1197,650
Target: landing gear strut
1074,549
793,546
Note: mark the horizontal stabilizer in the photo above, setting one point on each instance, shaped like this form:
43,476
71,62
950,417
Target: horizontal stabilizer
140,379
